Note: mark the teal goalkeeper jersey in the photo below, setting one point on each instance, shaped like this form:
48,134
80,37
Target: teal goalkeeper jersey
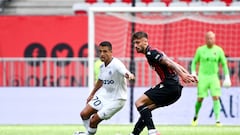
209,60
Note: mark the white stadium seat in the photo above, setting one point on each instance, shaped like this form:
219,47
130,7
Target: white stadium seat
178,4
100,4
216,4
157,4
82,6
197,4
120,4
140,4
235,4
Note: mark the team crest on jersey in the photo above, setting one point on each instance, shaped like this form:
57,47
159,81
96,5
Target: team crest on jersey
110,72
156,57
148,53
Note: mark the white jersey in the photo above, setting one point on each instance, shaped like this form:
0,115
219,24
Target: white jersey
114,81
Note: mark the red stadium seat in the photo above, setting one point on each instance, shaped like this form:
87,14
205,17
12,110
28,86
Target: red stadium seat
91,1
146,1
228,2
187,1
166,1
207,1
120,4
109,1
127,1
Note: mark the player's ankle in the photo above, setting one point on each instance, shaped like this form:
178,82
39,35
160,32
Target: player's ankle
195,118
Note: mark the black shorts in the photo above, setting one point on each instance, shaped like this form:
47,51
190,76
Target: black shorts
164,95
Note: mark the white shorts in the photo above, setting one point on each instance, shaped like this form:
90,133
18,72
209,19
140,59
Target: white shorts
106,108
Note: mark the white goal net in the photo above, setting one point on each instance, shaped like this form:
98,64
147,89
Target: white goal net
177,31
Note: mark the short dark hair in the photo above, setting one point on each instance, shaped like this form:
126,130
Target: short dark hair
106,43
139,35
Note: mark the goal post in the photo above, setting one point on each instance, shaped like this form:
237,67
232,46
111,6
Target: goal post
92,11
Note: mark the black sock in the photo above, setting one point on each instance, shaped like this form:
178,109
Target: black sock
146,115
139,126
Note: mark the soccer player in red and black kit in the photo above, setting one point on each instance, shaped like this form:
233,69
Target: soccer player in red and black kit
166,92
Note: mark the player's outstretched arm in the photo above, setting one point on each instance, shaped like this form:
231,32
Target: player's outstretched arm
182,72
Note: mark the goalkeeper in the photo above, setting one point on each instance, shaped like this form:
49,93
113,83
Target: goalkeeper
208,57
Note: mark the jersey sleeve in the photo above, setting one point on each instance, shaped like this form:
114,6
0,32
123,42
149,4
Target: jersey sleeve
195,60
121,68
223,61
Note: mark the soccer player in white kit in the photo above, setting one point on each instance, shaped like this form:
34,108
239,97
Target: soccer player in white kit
109,93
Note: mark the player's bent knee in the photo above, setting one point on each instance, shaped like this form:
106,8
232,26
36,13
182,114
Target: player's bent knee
84,114
139,102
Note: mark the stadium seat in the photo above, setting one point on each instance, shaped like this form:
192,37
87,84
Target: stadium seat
100,4
187,1
207,1
197,4
178,4
235,4
120,4
216,4
228,2
101,1
157,4
166,1
80,8
147,1
140,4
127,1
90,1
109,1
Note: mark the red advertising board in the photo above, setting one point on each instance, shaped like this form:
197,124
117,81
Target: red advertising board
42,35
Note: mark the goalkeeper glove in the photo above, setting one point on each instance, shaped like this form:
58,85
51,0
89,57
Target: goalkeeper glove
227,81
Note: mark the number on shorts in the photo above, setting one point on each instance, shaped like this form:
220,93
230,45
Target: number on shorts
96,101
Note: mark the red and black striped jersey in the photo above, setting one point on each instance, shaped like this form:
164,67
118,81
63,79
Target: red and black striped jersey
167,75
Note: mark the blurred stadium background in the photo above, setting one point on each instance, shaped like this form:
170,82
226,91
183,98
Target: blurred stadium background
44,49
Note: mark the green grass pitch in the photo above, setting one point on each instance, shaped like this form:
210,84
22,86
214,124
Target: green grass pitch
117,130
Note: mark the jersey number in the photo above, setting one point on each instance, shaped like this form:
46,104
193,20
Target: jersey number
96,101
108,81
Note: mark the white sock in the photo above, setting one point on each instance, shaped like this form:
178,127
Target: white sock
86,124
92,131
152,132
